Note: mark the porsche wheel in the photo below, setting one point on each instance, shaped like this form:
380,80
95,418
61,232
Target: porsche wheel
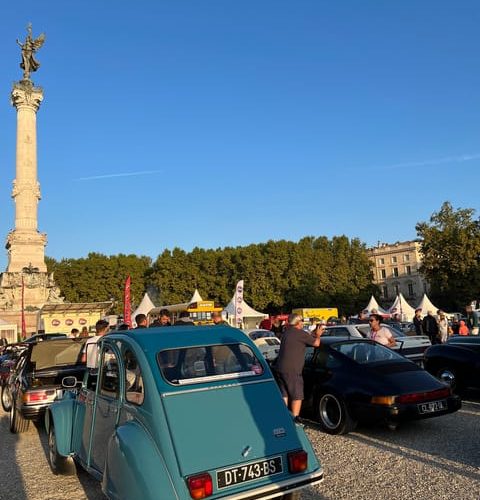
333,415
17,423
6,398
58,463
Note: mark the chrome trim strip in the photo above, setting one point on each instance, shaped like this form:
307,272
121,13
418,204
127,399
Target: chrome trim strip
215,388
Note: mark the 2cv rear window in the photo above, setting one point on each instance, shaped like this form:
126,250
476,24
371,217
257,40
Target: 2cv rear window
197,364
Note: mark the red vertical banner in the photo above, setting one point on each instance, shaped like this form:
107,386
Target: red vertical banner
127,307
24,326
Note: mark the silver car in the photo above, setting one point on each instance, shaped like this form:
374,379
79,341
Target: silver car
412,347
266,341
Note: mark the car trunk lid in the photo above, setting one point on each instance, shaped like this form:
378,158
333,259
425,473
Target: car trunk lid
219,426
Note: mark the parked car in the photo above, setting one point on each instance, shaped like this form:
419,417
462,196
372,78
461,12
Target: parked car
348,380
36,380
8,359
266,341
182,412
412,347
457,362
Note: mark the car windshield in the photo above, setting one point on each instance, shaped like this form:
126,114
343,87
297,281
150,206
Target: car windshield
366,352
56,353
192,365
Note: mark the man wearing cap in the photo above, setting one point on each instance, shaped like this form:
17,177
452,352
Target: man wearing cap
417,321
290,361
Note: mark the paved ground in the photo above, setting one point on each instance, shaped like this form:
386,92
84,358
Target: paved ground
433,459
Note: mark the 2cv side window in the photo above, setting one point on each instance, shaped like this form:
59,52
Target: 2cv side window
190,365
110,379
134,388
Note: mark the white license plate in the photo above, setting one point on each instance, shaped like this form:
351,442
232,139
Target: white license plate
432,406
249,472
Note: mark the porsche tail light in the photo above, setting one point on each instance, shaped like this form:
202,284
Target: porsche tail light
297,461
200,486
37,396
383,400
424,396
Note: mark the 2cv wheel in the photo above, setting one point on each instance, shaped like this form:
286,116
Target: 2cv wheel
58,463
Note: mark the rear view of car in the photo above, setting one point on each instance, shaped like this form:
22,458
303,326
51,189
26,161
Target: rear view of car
37,380
223,403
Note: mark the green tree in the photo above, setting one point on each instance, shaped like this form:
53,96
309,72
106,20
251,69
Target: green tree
451,251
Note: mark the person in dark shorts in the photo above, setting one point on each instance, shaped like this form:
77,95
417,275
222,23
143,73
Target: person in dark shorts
290,361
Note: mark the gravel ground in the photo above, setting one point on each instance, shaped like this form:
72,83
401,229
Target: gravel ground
432,459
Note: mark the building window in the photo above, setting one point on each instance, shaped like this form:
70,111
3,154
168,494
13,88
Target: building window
383,273
385,291
406,258
408,270
394,260
381,262
410,290
395,272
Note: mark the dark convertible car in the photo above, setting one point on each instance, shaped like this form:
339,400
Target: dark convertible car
457,362
349,380
36,379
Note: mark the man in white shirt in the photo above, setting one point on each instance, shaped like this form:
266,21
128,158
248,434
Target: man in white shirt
90,350
379,333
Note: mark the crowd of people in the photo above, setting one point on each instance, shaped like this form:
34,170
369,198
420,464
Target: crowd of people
438,327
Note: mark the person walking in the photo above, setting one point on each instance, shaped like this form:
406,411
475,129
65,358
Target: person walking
472,320
430,327
378,333
290,361
442,327
417,321
90,350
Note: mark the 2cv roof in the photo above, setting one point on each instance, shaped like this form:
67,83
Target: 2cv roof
169,337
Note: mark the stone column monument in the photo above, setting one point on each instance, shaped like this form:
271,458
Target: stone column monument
26,285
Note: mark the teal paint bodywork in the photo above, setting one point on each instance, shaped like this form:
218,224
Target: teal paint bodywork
148,451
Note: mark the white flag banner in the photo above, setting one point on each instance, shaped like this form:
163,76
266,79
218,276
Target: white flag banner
238,304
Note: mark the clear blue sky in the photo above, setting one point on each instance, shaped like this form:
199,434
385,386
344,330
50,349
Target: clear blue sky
223,123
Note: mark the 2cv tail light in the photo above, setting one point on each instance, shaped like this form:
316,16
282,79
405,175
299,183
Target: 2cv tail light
297,461
200,486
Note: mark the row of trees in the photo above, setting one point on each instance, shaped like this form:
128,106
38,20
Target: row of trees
281,275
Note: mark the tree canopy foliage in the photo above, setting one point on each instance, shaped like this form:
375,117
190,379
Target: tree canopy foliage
451,252
278,275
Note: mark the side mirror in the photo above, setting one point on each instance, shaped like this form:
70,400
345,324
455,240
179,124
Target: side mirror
69,382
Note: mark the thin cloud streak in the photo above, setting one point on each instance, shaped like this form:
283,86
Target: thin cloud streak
125,174
428,163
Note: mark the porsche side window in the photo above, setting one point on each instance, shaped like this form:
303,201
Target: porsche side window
110,380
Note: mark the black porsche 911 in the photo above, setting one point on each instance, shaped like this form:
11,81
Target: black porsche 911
457,362
350,380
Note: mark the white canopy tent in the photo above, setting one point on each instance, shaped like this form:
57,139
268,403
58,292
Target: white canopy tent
250,317
426,305
145,306
176,308
402,308
373,305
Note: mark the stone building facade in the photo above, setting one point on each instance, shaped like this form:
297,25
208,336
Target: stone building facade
395,270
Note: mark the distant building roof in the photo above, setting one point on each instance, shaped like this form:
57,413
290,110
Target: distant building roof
77,307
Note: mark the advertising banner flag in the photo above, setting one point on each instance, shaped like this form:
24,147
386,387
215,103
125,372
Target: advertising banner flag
238,300
127,306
